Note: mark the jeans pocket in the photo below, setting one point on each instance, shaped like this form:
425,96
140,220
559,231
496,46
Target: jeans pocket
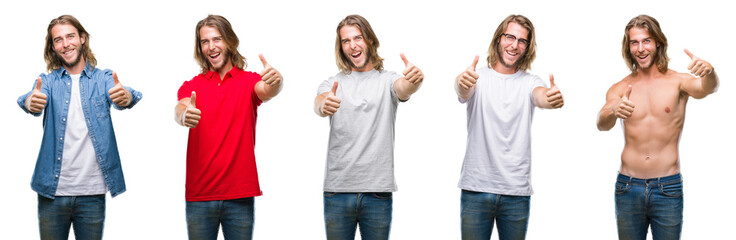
622,187
672,190
383,195
329,194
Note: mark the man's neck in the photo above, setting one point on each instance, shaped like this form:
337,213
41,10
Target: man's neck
223,71
648,73
503,69
366,68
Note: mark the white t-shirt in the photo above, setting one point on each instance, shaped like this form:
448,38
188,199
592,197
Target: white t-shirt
80,172
360,154
498,153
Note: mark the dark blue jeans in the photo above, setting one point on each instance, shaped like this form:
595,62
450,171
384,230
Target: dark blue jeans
345,211
643,202
236,216
478,210
85,213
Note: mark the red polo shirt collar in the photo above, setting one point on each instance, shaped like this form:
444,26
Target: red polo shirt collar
233,73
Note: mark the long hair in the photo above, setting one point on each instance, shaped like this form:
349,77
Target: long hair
371,41
652,26
49,55
525,63
228,35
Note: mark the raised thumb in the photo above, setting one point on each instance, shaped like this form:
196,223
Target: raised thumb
689,54
334,88
475,62
193,99
38,84
115,78
628,92
551,81
263,60
403,58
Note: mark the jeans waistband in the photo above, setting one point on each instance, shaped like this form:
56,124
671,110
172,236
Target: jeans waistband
660,180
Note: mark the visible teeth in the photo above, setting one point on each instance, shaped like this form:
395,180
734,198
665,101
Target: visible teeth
214,55
356,54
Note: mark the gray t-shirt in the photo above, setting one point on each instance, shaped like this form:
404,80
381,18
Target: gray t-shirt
360,154
498,154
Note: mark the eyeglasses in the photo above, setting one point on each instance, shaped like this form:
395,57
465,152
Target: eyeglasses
509,39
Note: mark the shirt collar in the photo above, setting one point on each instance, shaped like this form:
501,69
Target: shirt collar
87,71
212,75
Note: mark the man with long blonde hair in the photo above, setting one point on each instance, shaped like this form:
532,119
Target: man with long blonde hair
361,101
219,106
79,161
650,103
501,98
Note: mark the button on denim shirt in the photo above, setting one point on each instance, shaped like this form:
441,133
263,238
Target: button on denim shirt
94,85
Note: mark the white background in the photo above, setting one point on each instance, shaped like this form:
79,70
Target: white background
150,45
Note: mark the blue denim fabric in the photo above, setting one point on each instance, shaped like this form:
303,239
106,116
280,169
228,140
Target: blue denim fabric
479,210
85,213
93,87
345,211
642,202
236,216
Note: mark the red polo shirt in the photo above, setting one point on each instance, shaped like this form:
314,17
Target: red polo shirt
221,162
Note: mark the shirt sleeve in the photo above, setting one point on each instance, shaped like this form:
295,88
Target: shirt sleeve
535,82
393,76
326,85
109,82
253,79
185,90
44,90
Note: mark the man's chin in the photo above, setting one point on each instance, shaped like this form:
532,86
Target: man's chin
70,64
643,67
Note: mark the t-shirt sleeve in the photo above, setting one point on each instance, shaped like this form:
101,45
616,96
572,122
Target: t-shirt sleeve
253,79
535,82
392,77
326,85
185,90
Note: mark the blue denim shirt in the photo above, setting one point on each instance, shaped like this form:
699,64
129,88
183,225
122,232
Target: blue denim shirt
93,86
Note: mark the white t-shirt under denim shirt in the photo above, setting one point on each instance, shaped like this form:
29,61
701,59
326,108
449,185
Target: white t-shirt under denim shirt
498,154
360,154
80,172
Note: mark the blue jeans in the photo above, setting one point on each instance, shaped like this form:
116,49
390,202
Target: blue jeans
642,202
236,216
478,211
85,213
344,211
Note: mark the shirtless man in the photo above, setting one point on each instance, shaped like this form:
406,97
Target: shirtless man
651,105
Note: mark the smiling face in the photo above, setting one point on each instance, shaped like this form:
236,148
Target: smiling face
642,47
214,49
511,51
354,48
68,45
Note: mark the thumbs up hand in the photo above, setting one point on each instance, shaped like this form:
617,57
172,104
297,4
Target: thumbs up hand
412,73
269,75
37,100
554,96
469,77
192,115
625,107
118,94
331,102
697,66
